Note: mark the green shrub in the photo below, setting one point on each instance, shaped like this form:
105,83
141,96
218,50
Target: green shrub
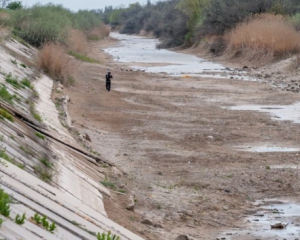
20,220
14,5
42,24
86,20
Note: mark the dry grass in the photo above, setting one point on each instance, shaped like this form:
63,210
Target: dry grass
264,34
98,33
53,60
77,41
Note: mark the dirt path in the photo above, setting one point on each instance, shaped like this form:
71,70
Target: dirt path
175,140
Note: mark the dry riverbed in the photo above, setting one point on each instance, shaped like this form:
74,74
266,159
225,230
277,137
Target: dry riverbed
188,157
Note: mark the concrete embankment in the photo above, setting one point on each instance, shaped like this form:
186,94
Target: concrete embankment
41,166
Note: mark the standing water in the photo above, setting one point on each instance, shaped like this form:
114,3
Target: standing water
143,54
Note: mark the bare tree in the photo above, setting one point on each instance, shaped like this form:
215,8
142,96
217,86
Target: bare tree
3,3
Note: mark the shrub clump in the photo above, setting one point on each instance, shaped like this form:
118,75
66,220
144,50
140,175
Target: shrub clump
53,60
273,35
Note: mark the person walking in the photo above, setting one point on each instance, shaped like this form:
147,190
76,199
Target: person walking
108,80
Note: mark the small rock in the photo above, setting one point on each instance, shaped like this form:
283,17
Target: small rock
158,226
279,225
131,205
147,222
210,137
59,89
182,237
116,171
87,137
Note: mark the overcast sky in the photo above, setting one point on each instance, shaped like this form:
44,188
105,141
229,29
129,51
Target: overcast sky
76,5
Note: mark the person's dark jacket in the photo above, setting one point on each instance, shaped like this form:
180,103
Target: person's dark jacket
108,77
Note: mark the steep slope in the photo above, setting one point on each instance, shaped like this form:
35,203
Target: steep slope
42,167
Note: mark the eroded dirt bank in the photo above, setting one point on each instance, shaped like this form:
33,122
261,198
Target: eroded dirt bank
177,144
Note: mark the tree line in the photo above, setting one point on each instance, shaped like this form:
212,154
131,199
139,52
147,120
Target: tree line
185,22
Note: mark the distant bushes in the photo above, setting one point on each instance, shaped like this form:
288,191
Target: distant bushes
51,23
162,19
222,15
56,31
187,22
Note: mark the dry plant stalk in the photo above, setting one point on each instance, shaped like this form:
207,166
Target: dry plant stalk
98,33
53,60
77,41
264,34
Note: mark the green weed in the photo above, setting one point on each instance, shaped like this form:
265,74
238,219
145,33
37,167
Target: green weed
21,165
76,223
121,190
46,163
41,136
5,156
23,65
43,174
26,82
35,115
83,57
37,218
11,160
14,61
13,81
5,201
20,220
5,95
268,167
93,38
107,236
5,115
108,184
26,150
43,221
52,227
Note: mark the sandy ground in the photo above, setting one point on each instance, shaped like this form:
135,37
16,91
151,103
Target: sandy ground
175,141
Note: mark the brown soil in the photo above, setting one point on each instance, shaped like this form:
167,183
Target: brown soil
174,140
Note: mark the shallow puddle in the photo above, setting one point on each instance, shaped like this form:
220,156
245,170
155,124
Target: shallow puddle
278,112
259,225
268,149
137,50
